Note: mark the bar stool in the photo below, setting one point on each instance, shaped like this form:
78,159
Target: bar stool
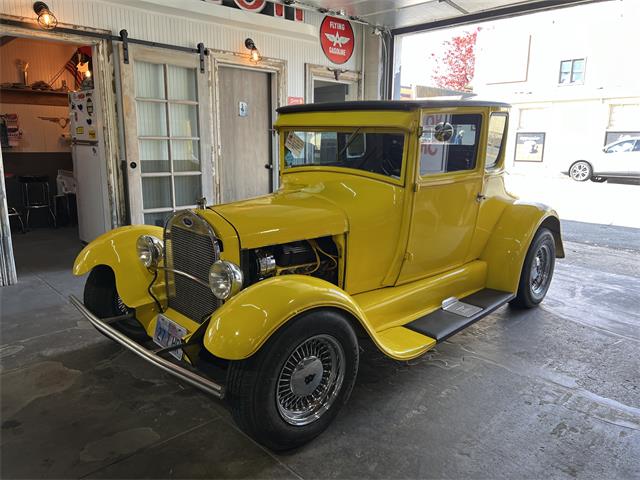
15,213
35,194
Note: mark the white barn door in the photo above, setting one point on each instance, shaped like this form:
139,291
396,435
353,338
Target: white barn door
167,120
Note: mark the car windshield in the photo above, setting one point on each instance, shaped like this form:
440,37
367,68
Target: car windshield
374,152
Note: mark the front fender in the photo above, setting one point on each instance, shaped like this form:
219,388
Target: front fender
117,250
244,323
509,242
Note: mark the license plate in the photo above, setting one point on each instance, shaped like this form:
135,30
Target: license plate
168,334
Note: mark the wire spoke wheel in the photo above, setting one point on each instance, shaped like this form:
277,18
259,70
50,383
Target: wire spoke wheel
310,380
541,270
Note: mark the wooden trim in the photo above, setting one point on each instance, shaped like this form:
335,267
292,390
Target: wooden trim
320,72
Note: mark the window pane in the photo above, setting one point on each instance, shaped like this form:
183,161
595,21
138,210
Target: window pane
186,155
577,77
156,192
564,77
152,119
157,219
449,142
188,189
382,152
565,67
184,120
182,83
149,78
578,65
494,140
154,156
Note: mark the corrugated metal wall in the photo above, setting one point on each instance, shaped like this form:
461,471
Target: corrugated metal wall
143,21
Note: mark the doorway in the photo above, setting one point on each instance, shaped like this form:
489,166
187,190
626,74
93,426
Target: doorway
245,162
324,85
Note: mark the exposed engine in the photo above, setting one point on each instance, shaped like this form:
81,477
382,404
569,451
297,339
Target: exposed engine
317,257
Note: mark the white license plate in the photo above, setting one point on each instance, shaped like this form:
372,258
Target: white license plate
168,334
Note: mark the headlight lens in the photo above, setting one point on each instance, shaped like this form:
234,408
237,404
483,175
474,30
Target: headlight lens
149,250
225,279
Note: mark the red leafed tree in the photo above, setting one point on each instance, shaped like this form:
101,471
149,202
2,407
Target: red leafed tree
456,64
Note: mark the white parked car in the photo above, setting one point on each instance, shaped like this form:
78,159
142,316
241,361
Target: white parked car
620,159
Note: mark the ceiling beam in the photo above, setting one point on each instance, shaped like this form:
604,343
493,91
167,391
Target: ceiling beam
492,14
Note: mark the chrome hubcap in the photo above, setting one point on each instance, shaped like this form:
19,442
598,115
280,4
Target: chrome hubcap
310,380
580,171
540,270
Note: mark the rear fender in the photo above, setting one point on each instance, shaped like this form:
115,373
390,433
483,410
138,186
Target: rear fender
508,245
117,250
240,327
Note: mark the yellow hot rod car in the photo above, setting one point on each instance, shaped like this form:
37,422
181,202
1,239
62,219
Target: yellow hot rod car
391,223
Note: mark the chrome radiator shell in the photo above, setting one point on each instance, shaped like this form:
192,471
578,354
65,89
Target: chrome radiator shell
191,246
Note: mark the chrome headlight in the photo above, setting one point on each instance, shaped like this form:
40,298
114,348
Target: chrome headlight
149,250
225,279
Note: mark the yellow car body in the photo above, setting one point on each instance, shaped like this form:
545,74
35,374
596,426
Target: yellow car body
404,244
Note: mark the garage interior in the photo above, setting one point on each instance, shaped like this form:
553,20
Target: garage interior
549,392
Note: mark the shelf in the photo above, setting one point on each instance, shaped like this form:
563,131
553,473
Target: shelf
33,97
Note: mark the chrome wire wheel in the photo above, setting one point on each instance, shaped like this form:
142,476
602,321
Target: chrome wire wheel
580,171
541,270
310,380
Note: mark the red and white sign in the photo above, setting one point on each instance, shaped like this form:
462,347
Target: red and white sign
295,100
337,39
251,5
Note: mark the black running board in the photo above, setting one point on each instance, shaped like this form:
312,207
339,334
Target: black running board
443,323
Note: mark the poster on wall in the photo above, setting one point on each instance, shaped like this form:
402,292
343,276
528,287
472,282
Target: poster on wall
529,147
337,39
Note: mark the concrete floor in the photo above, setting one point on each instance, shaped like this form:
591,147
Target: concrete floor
550,392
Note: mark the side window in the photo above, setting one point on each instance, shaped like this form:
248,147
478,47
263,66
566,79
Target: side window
497,128
637,147
625,146
449,143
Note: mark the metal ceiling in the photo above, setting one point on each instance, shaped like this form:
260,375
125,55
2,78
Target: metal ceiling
401,15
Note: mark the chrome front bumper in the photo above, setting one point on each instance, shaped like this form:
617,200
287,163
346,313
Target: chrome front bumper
150,356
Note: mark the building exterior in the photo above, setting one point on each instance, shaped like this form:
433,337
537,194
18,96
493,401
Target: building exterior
570,76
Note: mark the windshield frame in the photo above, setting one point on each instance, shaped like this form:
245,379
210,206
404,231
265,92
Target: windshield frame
284,170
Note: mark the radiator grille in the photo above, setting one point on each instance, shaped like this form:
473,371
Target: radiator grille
191,248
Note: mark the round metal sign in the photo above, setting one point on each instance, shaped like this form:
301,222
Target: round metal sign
337,39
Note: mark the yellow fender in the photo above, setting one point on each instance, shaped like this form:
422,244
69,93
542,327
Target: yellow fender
240,327
117,249
508,245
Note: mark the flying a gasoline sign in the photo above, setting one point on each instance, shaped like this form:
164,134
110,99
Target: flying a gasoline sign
336,39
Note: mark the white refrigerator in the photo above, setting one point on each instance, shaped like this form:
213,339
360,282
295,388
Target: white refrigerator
89,164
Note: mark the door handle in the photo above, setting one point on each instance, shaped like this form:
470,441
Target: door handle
268,166
480,197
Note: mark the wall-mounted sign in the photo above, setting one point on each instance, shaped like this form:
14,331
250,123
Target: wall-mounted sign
529,147
295,100
243,109
264,7
337,39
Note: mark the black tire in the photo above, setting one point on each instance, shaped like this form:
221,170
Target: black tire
532,292
580,171
102,299
252,391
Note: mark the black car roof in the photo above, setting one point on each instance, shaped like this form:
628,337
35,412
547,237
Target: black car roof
404,105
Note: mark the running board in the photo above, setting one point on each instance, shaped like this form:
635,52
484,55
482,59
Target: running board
456,315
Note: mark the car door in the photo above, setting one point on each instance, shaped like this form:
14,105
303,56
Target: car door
633,161
445,206
615,160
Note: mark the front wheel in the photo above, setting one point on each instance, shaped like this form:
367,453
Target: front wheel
580,171
293,387
537,270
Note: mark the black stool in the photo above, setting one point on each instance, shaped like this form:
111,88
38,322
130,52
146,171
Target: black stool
15,213
35,194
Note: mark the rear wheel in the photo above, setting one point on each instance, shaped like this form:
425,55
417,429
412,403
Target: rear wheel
293,387
537,270
580,171
102,299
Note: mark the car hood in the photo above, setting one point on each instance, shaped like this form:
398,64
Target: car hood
282,217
